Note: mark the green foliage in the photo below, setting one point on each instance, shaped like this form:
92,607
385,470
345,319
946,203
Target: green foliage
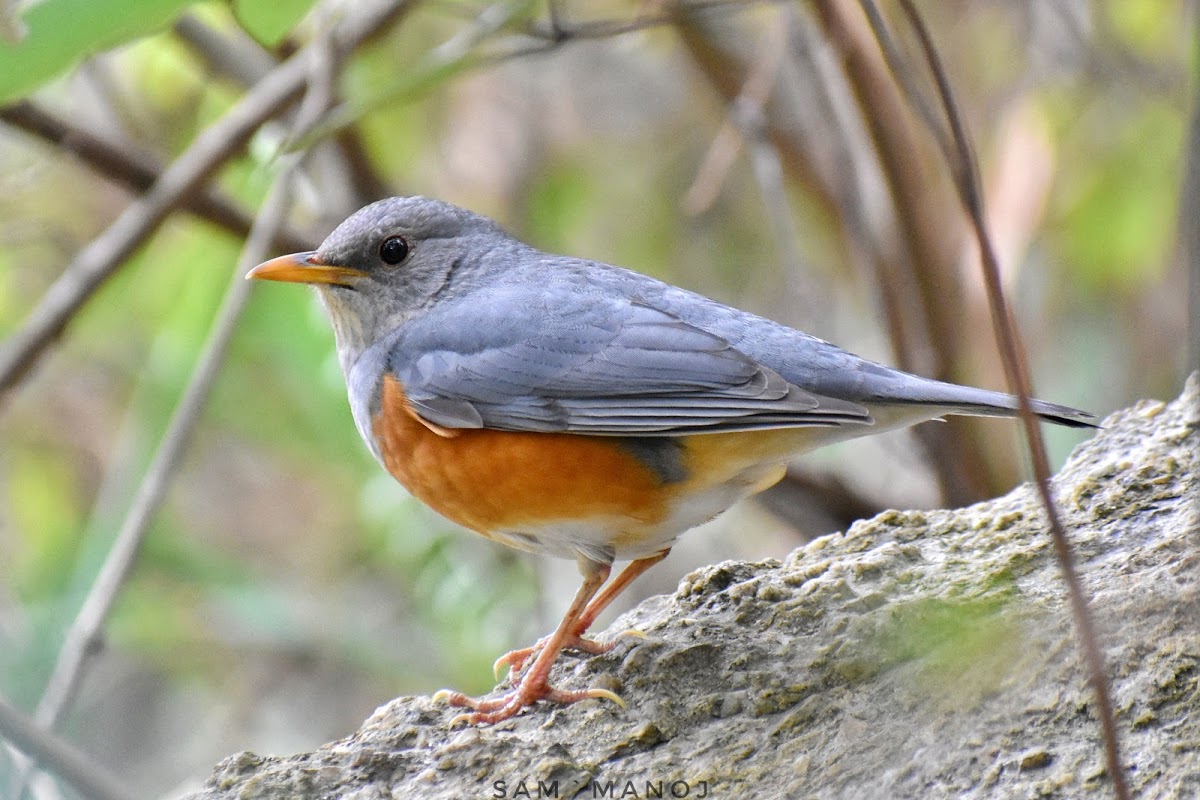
36,486
1116,238
962,649
60,33
1147,27
270,20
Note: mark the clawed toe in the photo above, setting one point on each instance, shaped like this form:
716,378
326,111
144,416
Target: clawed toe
489,711
516,660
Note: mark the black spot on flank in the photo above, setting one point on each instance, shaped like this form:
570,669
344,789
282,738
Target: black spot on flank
662,455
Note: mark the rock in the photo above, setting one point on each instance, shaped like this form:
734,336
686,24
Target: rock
918,655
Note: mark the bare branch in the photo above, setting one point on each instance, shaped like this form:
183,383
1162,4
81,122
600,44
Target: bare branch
136,170
101,258
237,57
83,638
211,148
243,60
816,503
929,246
904,76
557,31
747,106
52,753
1017,370
867,235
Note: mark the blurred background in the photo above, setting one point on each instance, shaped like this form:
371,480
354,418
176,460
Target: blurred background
762,153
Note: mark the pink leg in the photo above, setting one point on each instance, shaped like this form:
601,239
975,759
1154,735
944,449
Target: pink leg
516,659
534,684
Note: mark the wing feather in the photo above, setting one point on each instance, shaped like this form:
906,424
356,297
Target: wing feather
590,364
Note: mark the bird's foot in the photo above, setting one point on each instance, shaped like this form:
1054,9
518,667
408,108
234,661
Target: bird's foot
489,711
516,660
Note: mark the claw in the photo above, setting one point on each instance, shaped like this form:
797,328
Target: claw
443,694
514,660
605,694
508,705
632,633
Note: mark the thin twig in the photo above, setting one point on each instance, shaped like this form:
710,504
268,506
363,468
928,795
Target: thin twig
720,54
101,258
927,247
555,18
229,53
460,52
748,105
83,637
608,28
899,68
865,230
136,170
53,754
1018,377
211,148
234,54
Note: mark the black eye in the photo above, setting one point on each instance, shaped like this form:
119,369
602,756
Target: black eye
393,250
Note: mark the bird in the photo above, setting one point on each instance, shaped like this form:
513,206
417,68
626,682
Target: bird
577,409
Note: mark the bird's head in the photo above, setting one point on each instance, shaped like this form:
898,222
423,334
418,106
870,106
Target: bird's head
387,263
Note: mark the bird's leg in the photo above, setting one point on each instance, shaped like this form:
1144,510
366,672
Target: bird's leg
517,659
601,601
534,685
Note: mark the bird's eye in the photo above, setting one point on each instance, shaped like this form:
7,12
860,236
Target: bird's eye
393,250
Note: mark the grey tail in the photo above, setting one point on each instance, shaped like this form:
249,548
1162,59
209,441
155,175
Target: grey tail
1052,412
984,403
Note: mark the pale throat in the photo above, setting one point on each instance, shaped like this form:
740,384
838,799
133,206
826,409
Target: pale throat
350,329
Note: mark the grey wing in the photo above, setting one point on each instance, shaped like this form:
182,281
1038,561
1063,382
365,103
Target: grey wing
589,363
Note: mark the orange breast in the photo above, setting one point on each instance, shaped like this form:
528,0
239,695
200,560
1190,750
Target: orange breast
491,480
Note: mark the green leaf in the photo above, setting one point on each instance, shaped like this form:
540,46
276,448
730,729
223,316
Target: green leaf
61,33
1118,229
269,21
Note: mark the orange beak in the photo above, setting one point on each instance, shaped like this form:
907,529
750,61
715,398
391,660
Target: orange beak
303,268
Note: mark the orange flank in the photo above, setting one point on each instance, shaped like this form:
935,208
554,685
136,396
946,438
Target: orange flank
492,481
489,480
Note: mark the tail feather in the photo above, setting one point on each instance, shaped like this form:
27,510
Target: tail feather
985,403
1051,412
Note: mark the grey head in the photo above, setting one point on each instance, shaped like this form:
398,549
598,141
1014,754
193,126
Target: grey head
390,261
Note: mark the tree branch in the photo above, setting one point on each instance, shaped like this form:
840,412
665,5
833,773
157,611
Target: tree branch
211,148
137,171
52,753
929,246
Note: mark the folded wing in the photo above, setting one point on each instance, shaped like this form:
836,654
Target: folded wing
594,365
